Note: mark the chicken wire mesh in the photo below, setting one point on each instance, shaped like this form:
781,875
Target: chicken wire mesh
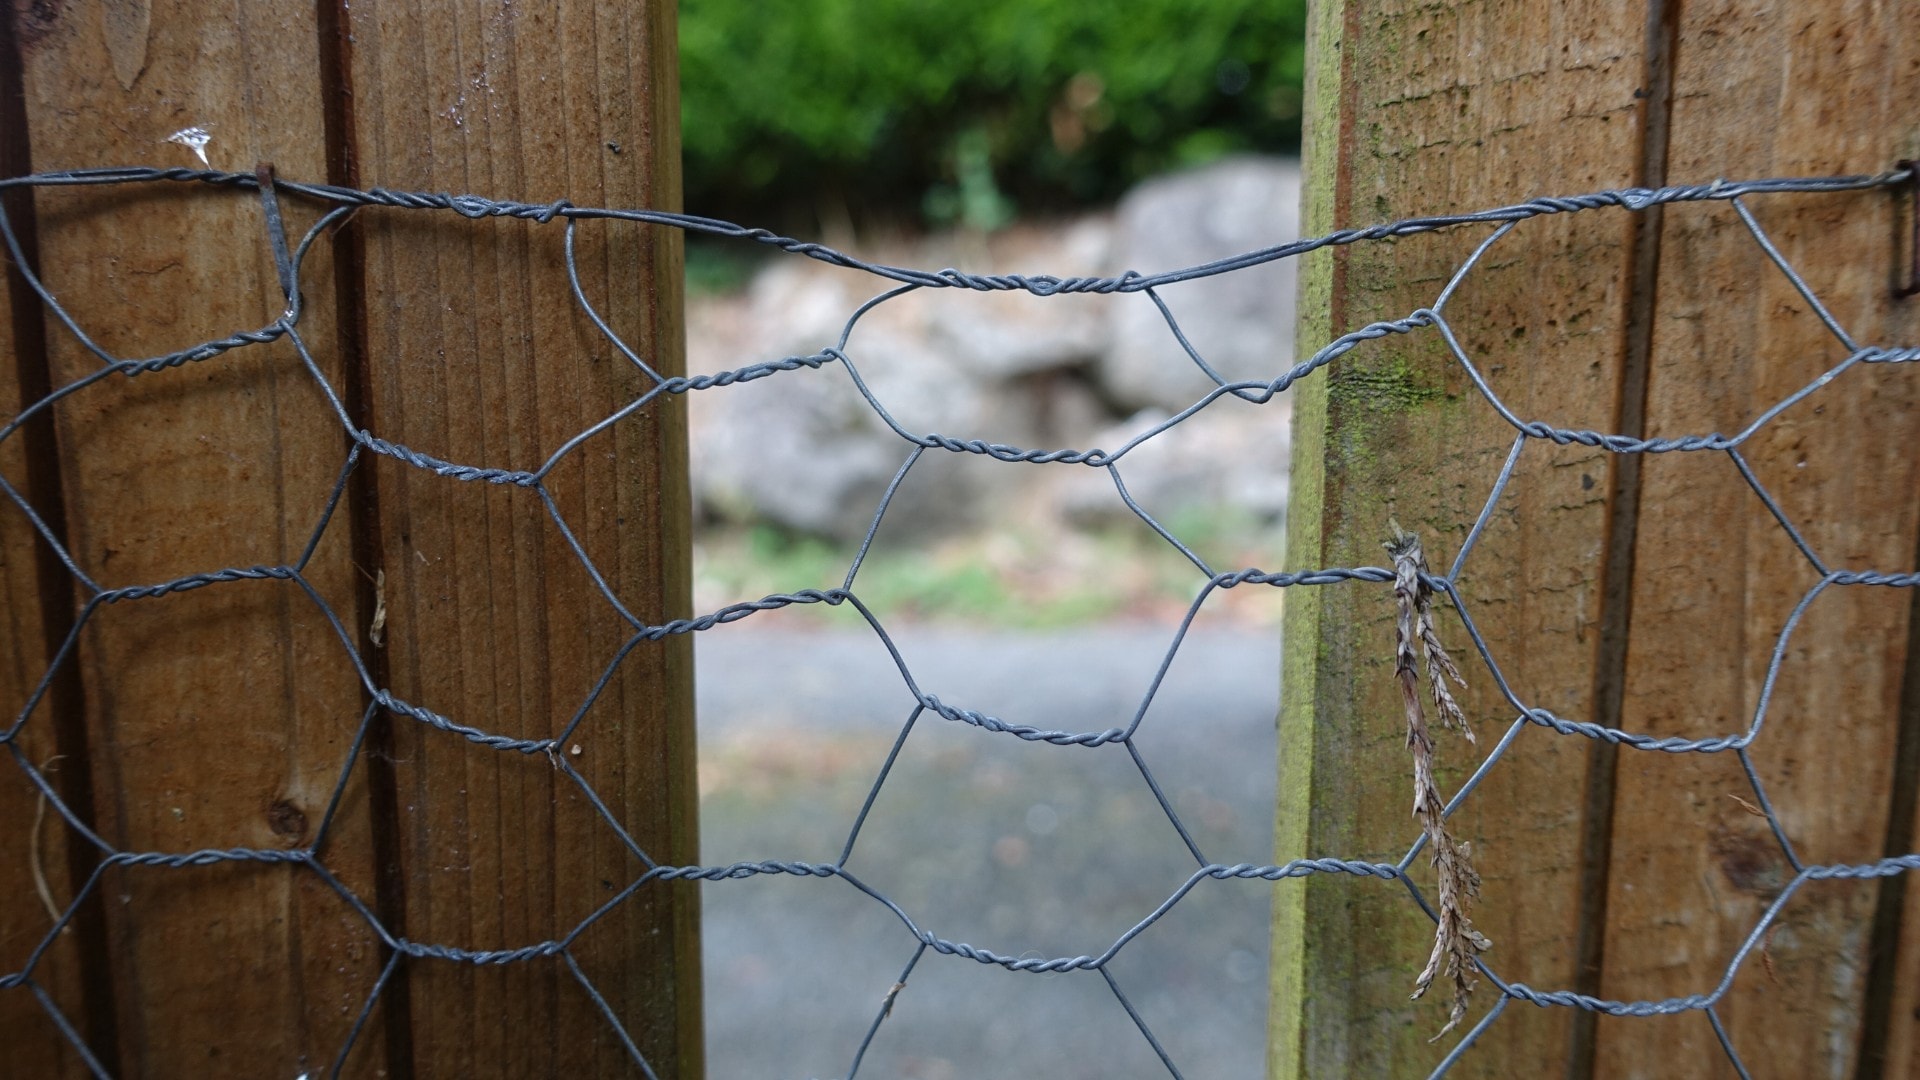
360,444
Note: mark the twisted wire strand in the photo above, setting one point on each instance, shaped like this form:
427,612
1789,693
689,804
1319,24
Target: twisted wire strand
339,203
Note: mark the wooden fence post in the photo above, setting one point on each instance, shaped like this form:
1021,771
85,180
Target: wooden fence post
1640,593
223,716
578,101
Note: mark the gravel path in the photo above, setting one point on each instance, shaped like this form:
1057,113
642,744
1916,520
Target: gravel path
1017,847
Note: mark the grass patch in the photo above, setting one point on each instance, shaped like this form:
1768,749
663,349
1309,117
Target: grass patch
1019,578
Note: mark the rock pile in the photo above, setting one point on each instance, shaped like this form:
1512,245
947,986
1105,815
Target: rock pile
804,451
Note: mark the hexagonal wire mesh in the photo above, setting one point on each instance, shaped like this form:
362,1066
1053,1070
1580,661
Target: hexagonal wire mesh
340,202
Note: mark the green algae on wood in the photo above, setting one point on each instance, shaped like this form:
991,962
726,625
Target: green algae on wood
1412,111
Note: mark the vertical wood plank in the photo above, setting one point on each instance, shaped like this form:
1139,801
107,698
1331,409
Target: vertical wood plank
1897,1049
478,354
1422,109
1767,89
34,848
218,717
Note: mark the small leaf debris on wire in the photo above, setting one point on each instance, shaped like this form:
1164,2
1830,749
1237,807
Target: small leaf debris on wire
1455,941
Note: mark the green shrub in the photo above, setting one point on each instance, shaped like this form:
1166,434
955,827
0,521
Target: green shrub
964,111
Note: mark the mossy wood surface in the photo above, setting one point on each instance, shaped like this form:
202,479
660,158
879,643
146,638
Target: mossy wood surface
1421,109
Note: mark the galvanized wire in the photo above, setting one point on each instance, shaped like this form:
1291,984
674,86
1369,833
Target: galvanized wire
338,202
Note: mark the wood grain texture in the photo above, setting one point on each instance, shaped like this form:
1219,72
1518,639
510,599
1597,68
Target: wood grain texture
1758,90
218,717
222,716
1769,90
1438,108
35,848
478,354
1898,1053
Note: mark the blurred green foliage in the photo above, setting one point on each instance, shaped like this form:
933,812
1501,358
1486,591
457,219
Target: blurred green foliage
965,112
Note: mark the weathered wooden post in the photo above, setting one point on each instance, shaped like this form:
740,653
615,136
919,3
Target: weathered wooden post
223,717
1639,592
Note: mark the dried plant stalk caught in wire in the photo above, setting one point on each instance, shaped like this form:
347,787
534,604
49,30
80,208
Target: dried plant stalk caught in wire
1455,941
